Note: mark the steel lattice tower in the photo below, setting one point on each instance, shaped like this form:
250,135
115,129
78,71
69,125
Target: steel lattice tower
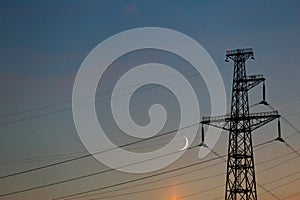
240,177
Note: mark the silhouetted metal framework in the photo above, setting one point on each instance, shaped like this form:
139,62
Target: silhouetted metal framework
240,178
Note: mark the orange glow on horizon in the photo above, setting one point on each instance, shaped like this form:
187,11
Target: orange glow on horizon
174,192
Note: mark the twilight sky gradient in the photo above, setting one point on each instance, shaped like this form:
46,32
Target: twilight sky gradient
42,44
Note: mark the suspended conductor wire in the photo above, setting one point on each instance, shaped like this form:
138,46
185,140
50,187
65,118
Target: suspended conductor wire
88,155
69,108
150,182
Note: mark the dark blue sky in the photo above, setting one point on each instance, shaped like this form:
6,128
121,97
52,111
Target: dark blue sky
42,44
68,30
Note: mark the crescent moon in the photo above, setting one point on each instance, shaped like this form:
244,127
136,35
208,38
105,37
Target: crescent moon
186,144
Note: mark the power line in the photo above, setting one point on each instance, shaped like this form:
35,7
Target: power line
69,155
149,182
124,194
295,194
35,109
268,191
283,117
38,187
84,176
200,192
272,159
291,148
279,164
105,171
240,175
295,128
297,131
281,178
262,186
70,108
133,180
290,124
159,188
278,78
287,107
282,185
69,101
278,157
62,163
217,154
293,114
275,180
138,179
100,152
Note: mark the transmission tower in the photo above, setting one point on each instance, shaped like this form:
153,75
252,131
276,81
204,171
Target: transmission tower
240,177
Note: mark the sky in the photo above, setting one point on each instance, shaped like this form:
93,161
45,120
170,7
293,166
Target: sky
43,43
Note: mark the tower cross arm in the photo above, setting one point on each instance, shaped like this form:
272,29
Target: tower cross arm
255,120
251,81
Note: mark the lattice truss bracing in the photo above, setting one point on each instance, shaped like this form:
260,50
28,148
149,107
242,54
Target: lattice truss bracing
240,177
